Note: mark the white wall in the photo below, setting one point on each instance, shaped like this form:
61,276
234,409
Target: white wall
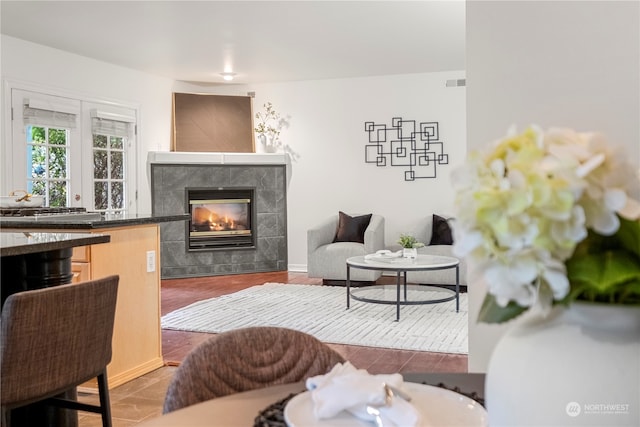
327,134
573,64
65,73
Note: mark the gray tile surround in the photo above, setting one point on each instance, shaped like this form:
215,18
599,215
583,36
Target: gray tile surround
168,183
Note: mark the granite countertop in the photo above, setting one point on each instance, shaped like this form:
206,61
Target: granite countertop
21,243
106,221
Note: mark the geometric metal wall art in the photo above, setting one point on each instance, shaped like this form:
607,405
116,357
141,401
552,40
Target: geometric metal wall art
415,146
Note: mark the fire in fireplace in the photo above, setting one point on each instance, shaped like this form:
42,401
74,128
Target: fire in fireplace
221,218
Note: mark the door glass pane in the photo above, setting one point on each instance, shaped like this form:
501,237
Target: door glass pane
58,193
100,141
100,193
100,170
109,166
47,164
117,195
117,171
117,143
37,161
57,136
58,162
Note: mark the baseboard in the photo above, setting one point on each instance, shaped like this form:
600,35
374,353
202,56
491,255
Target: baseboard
297,268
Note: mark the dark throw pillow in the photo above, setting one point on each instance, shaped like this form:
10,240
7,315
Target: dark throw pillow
351,228
440,231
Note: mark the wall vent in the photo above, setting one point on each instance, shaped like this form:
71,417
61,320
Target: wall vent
456,82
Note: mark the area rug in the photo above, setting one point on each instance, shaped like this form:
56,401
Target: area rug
321,311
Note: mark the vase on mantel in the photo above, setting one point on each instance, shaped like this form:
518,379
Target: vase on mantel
268,144
577,366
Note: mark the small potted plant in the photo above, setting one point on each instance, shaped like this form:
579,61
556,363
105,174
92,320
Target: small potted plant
409,245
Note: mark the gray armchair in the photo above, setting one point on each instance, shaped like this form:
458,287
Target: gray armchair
327,260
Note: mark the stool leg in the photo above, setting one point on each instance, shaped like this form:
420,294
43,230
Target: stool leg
105,404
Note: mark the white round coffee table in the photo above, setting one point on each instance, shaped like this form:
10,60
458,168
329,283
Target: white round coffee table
411,295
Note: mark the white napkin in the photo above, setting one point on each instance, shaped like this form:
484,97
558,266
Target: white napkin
383,254
351,389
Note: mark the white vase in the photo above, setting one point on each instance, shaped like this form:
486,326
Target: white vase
270,148
578,366
409,252
267,144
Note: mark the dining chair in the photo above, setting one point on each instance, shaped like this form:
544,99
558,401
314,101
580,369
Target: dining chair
247,359
52,340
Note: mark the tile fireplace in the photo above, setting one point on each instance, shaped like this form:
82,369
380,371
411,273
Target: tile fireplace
238,208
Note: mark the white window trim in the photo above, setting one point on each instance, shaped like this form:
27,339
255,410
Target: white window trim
7,178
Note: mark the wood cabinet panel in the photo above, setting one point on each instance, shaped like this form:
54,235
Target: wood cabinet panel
137,339
81,253
81,272
137,342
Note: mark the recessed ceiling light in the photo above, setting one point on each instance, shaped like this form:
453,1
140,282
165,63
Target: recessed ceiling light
228,76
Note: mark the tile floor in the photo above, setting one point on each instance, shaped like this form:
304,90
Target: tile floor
142,398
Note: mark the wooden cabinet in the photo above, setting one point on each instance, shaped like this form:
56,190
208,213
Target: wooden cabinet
137,339
80,264
81,272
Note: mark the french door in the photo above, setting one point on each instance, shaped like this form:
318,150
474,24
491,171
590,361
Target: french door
74,153
47,147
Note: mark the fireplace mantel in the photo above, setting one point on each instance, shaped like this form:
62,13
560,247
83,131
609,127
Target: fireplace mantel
184,157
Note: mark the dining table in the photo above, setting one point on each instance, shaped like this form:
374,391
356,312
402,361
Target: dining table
264,407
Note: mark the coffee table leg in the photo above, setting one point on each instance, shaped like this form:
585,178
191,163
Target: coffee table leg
405,285
457,288
398,297
348,283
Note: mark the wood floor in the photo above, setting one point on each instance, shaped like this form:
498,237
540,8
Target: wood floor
142,399
177,293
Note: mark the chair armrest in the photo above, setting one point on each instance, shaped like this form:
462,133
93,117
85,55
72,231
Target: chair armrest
374,235
321,234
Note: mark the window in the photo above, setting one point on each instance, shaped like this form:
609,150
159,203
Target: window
73,152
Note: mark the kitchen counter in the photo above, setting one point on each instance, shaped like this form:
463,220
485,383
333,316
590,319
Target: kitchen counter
105,221
34,260
133,253
38,260
22,243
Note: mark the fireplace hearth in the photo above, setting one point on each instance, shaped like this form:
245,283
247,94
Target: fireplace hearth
221,218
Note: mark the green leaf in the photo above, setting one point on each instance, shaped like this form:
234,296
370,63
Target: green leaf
630,293
491,312
607,268
629,235
604,270
611,276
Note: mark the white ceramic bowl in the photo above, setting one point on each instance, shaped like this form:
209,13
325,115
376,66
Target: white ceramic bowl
15,202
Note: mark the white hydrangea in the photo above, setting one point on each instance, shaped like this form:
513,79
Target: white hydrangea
524,205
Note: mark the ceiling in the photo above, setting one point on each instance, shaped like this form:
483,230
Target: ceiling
259,41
